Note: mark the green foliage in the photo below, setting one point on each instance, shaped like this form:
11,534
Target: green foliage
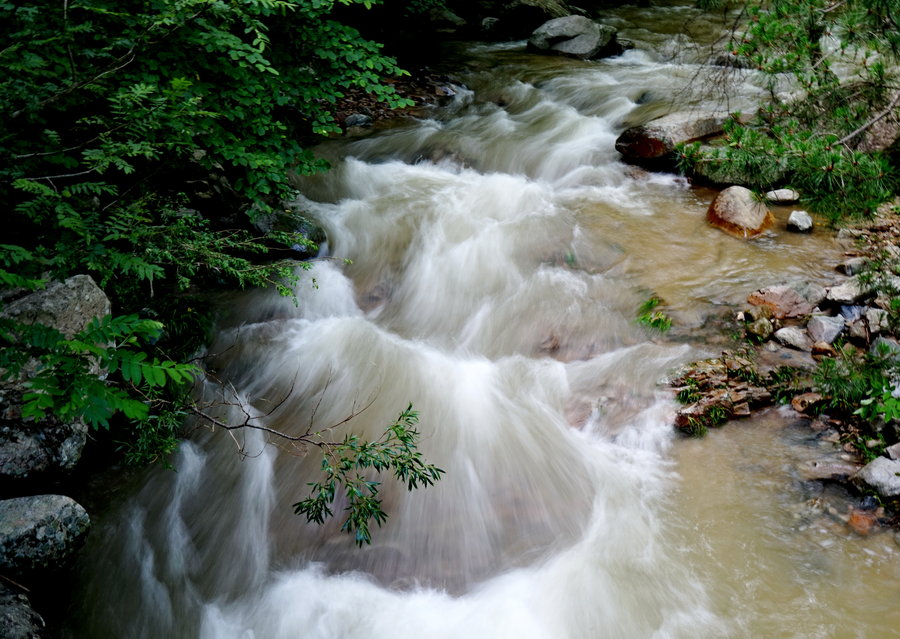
784,383
697,427
66,382
129,133
859,384
651,318
346,466
690,392
842,58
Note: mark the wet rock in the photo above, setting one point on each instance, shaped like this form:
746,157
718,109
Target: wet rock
782,196
358,119
573,36
738,212
862,521
709,412
893,451
823,349
39,533
827,470
800,222
823,328
848,293
881,474
806,401
17,619
658,138
794,337
853,266
762,329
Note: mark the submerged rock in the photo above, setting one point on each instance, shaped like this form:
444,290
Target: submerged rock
827,470
738,212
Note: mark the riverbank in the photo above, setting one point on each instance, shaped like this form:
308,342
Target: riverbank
829,353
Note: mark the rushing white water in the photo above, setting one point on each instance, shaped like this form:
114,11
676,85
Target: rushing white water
499,253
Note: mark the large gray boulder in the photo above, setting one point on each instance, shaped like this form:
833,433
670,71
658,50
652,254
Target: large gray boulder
66,306
574,36
29,447
40,533
738,212
17,619
658,138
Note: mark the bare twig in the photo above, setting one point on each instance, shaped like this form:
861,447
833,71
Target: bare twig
873,121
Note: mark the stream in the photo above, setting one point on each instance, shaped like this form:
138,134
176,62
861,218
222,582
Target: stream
486,264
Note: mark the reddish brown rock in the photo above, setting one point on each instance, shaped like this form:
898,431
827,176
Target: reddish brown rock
806,401
785,301
862,521
738,212
658,138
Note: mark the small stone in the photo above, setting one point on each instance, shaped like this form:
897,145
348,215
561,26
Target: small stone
357,119
823,328
800,222
878,320
802,403
883,475
782,196
788,300
741,410
794,337
853,266
818,426
861,521
893,451
886,346
761,328
851,313
849,292
823,349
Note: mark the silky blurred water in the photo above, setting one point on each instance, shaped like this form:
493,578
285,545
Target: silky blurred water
498,252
